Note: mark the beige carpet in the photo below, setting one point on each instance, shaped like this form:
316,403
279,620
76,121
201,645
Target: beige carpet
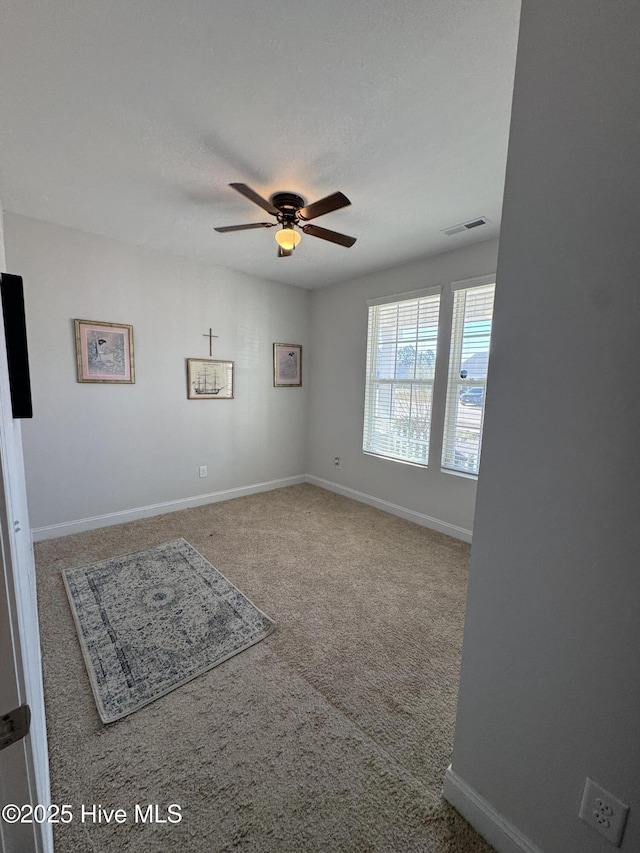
331,735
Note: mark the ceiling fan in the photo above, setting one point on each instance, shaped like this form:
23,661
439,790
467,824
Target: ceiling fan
290,210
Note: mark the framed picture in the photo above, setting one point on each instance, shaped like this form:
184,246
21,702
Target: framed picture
287,365
209,379
104,352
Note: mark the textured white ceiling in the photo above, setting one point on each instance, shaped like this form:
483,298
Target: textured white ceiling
130,119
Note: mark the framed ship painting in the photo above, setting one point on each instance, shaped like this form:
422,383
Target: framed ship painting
287,365
209,379
104,352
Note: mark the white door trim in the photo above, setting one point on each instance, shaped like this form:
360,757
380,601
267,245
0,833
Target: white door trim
24,766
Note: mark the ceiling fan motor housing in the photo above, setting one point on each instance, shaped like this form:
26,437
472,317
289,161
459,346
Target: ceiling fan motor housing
288,204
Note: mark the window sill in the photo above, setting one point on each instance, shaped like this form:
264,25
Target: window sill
459,474
423,465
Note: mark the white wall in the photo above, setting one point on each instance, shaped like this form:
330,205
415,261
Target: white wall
94,449
106,453
550,689
339,338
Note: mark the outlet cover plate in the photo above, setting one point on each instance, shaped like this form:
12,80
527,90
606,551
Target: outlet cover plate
603,812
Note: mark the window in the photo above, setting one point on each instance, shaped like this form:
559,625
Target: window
468,365
401,359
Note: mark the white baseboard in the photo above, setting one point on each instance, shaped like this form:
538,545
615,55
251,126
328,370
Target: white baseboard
66,528
489,823
394,509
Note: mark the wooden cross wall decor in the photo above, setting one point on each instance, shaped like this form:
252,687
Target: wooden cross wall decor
211,336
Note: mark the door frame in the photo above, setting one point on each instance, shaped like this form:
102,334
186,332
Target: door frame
24,766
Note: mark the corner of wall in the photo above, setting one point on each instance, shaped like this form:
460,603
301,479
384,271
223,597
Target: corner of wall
489,823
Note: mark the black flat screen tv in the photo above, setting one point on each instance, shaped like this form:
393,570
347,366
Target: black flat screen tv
15,331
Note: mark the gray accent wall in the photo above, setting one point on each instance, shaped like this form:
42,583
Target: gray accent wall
3,267
550,687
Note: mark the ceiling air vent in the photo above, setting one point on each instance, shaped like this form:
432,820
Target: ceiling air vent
466,226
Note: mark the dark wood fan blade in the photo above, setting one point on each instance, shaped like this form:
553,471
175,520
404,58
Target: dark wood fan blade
284,253
245,227
253,196
331,236
325,205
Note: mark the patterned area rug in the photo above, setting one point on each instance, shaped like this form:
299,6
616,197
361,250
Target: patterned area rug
149,622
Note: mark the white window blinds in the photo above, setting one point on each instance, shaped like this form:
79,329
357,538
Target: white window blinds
466,388
401,359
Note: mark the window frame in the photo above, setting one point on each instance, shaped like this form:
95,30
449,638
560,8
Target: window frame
372,381
454,382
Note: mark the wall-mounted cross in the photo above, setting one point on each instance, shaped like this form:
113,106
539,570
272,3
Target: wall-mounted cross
211,336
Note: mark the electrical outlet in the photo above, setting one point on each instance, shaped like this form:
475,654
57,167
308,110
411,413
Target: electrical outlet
604,812
337,462
203,471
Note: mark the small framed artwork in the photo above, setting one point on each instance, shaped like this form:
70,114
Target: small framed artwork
209,379
104,352
287,365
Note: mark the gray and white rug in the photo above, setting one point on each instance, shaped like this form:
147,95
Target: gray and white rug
151,621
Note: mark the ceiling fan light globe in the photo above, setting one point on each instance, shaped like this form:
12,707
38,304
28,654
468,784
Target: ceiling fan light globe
288,238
